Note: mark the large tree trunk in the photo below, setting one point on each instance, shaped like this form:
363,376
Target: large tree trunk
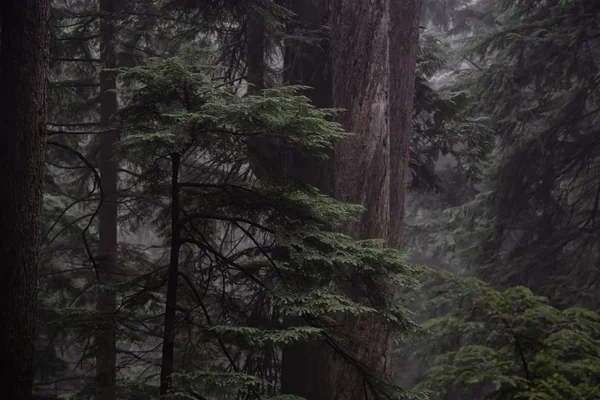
361,85
404,42
25,41
106,337
368,169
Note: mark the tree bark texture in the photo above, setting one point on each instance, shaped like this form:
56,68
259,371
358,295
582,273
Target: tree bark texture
404,42
24,65
372,61
106,337
361,85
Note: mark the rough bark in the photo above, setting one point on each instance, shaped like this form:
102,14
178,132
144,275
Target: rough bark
368,169
361,84
404,38
106,303
24,49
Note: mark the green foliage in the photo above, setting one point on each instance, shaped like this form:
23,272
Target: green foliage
265,250
510,344
534,74
444,124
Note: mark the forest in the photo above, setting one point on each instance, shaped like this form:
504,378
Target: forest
300,199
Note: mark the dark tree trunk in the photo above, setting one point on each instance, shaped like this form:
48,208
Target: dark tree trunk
404,42
106,337
24,49
255,36
170,328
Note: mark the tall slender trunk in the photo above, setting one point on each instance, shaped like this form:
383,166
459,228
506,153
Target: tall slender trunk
255,31
170,328
24,49
106,303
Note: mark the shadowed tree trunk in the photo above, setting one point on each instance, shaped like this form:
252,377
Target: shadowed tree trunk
24,49
170,326
106,338
404,38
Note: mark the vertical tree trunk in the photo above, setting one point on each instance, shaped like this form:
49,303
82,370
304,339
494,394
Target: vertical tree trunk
371,60
106,337
255,31
170,328
361,85
404,42
24,49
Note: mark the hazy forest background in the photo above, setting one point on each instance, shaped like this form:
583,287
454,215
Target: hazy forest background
300,199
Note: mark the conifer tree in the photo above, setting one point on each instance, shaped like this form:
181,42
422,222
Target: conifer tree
24,47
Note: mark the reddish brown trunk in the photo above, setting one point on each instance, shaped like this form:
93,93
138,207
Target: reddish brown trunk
361,81
368,168
361,86
404,41
24,59
106,357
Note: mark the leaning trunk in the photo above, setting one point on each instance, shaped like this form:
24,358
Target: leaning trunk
24,58
106,304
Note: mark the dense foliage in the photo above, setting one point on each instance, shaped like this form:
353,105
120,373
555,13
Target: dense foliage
505,188
508,345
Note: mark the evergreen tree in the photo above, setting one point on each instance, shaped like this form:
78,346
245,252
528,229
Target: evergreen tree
534,224
24,45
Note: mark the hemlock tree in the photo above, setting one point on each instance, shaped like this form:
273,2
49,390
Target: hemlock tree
511,344
190,143
83,105
24,48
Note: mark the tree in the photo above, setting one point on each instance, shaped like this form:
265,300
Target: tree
258,263
24,49
237,291
536,223
359,57
106,338
404,39
512,344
